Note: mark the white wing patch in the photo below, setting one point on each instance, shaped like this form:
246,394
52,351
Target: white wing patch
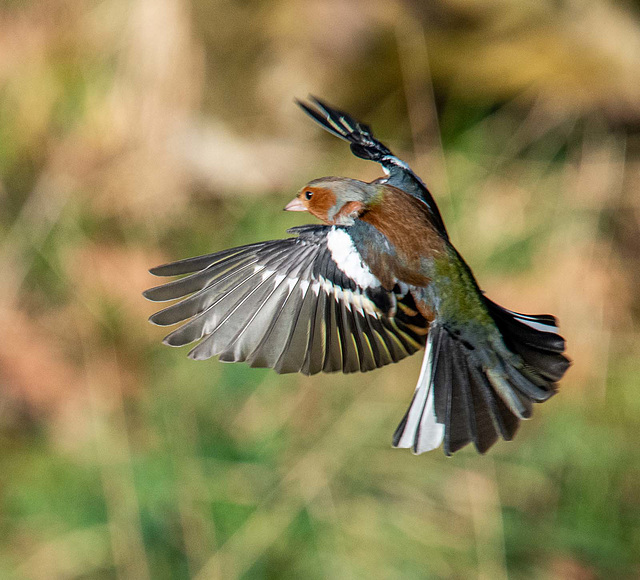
348,259
351,299
361,303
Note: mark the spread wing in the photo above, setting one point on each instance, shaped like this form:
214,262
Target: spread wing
366,146
285,304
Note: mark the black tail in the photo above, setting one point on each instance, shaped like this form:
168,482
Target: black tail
535,338
474,390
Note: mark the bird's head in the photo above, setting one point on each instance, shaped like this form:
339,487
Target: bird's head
334,200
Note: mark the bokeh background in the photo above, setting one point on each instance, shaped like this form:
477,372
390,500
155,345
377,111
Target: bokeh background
134,132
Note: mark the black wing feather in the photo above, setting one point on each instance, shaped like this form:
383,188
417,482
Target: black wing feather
364,145
282,304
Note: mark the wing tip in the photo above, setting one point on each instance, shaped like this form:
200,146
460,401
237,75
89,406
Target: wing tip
157,270
152,320
302,104
151,294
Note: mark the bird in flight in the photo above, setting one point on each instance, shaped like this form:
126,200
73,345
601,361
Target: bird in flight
377,282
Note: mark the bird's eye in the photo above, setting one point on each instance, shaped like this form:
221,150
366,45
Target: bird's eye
308,194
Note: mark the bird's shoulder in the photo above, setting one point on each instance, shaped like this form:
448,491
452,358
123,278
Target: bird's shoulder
404,222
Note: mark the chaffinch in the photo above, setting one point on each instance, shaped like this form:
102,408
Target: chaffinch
380,281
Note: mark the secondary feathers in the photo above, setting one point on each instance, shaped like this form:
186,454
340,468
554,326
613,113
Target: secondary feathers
286,304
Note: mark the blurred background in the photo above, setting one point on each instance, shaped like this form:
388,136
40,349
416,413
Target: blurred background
134,132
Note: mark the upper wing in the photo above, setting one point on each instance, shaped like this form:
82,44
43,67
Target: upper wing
286,304
366,146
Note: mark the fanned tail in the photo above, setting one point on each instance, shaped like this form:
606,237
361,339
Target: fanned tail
535,338
419,428
475,390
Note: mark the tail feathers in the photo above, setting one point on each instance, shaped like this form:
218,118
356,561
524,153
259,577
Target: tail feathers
476,393
419,428
535,338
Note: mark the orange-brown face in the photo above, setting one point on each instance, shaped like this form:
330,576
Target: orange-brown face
314,199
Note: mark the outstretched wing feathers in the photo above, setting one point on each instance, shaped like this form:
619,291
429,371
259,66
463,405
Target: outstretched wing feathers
363,144
344,126
284,304
190,265
210,269
231,336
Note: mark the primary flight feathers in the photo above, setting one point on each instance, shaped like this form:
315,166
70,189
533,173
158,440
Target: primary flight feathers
375,284
285,304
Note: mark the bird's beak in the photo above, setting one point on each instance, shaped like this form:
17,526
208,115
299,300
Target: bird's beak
295,205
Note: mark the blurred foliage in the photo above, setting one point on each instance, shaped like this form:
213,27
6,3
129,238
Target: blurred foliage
135,132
